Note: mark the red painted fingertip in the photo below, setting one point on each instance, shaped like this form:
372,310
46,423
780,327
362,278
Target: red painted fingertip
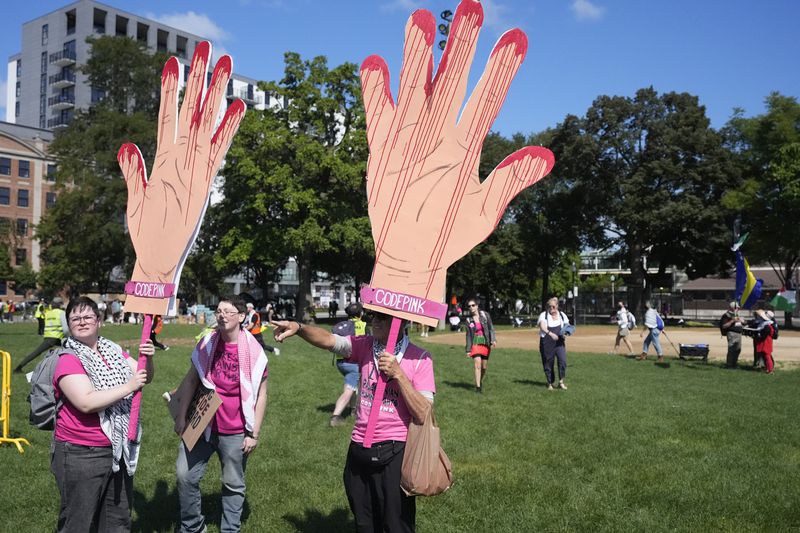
533,152
467,8
128,152
423,19
516,38
235,110
224,65
377,63
171,69
201,52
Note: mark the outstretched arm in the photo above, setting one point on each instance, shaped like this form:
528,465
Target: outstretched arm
321,338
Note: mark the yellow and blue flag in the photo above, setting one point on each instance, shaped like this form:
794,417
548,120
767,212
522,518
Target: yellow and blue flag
748,288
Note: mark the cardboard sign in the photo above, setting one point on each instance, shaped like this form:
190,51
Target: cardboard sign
201,411
165,211
427,205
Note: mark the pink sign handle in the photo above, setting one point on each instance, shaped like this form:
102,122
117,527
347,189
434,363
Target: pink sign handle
377,398
133,423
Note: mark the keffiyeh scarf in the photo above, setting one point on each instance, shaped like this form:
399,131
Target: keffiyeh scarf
107,368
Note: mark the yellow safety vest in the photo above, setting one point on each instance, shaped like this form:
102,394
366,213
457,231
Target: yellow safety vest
39,311
52,324
361,326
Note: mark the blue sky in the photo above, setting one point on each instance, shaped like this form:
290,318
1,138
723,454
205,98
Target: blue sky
729,53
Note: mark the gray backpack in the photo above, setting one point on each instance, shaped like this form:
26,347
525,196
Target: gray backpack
42,398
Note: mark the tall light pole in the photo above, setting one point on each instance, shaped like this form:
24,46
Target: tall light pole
574,295
612,291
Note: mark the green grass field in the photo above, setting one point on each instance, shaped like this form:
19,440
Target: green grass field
630,446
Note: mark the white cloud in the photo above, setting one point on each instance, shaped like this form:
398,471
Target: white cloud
196,23
495,16
585,10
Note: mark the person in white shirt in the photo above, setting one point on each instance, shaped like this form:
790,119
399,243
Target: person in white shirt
651,318
551,343
623,328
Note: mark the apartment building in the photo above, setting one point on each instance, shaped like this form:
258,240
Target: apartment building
27,190
45,86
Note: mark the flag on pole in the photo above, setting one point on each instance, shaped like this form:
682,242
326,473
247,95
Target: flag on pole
738,244
785,300
748,288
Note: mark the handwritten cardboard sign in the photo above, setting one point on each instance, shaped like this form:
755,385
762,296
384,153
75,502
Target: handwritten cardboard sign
201,411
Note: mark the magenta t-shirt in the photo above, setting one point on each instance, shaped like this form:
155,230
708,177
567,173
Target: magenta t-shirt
229,419
394,416
71,424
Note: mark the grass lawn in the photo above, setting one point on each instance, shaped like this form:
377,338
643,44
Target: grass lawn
631,446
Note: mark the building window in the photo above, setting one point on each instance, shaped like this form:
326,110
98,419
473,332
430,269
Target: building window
16,109
42,105
44,34
162,37
22,198
3,287
43,85
141,32
19,88
99,24
121,27
97,95
5,224
50,199
21,256
19,68
5,166
71,22
22,227
70,50
51,173
44,63
181,46
24,169
5,196
42,121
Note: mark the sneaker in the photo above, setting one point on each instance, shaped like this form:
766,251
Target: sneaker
277,351
167,397
642,357
550,386
478,390
561,385
660,359
166,348
336,421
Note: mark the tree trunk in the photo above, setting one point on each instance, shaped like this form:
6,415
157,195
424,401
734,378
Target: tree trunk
304,300
637,280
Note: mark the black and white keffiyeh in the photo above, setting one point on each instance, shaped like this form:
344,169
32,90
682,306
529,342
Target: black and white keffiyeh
106,372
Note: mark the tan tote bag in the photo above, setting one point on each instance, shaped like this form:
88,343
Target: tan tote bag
426,470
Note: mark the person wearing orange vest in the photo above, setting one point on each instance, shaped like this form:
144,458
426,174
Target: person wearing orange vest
158,325
252,323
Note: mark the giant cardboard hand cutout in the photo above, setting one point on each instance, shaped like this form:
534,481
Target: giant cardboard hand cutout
427,205
165,212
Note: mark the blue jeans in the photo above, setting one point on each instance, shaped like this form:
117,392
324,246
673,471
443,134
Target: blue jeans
652,337
190,467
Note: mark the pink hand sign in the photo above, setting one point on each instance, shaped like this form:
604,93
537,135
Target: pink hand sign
165,212
427,205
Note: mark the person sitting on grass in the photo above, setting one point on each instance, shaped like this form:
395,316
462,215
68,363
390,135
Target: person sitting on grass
372,475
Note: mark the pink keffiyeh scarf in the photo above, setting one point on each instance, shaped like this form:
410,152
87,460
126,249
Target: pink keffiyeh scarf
252,365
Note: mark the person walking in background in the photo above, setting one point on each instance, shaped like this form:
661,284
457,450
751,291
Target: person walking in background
624,327
552,344
731,327
230,361
39,316
252,323
354,326
480,341
652,321
55,329
91,457
157,327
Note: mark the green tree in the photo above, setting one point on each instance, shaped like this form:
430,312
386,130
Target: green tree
656,171
769,197
294,180
24,278
83,236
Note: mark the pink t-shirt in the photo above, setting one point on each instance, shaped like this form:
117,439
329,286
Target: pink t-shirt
71,424
229,419
394,416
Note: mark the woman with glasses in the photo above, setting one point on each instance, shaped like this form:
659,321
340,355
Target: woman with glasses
552,324
372,475
230,361
92,459
480,340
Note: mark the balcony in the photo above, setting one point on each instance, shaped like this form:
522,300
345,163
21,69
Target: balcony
64,58
61,101
62,80
249,98
58,122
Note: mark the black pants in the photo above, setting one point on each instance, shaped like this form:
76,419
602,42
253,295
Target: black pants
155,341
47,343
550,350
260,338
93,498
372,483
41,326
